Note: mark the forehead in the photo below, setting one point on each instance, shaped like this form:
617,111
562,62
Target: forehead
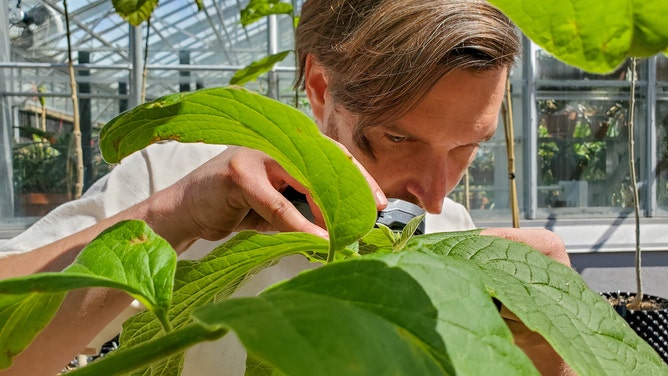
462,100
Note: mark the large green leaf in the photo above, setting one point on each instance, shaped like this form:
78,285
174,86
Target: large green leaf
554,301
127,256
258,9
403,313
257,68
23,316
215,276
593,35
135,11
235,116
123,361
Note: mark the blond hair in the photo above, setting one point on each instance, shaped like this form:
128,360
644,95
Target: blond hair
383,56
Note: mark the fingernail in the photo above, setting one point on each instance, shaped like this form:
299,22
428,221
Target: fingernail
323,233
381,200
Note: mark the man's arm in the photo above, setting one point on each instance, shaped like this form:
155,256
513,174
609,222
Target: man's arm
238,189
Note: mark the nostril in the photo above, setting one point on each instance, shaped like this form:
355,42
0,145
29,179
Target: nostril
430,200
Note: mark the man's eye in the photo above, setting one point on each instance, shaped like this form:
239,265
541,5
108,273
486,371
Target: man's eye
395,138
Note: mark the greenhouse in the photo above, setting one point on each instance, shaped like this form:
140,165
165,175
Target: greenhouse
559,159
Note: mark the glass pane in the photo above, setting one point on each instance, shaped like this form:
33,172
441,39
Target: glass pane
187,50
549,68
583,155
42,168
662,157
486,188
662,68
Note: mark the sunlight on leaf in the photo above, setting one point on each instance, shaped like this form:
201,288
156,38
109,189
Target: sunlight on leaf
127,256
257,68
593,35
216,276
258,9
135,11
553,300
23,317
233,116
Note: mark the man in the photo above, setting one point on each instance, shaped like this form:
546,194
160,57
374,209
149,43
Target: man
409,88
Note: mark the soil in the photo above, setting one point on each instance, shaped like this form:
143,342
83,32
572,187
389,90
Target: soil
650,303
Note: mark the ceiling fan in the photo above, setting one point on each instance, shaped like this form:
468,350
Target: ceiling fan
33,24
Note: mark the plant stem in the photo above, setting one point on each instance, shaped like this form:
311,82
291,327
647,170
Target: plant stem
122,361
507,110
635,304
294,33
76,126
467,190
145,70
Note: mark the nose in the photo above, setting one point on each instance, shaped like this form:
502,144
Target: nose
430,183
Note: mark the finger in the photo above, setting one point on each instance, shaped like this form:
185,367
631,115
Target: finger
281,215
547,242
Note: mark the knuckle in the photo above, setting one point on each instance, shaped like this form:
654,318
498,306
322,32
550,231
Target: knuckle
280,211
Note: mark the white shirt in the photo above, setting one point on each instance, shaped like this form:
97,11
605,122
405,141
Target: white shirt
135,179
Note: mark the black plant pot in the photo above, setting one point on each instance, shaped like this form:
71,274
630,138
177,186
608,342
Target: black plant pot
650,324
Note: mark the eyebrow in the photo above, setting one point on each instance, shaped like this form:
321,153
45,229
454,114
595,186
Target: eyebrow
393,126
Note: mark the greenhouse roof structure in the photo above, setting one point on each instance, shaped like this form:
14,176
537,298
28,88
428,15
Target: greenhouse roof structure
209,41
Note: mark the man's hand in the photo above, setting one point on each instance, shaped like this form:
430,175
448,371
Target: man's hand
543,240
239,189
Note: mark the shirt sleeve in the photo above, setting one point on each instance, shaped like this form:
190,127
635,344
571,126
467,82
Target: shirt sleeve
130,182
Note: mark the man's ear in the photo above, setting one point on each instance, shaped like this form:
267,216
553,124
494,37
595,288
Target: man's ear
315,84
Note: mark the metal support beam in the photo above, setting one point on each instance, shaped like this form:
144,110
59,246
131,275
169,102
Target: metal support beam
184,76
530,130
272,48
6,175
651,151
137,68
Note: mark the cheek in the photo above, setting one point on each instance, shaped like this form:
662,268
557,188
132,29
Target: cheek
388,172
457,166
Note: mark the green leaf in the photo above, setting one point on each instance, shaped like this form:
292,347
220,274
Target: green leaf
389,234
257,68
376,241
215,276
554,301
258,9
403,313
135,11
235,116
593,35
130,256
23,317
124,361
408,232
256,367
127,256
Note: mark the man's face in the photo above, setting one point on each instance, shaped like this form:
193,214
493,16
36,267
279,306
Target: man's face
422,156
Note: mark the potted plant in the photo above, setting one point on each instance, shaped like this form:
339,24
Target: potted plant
41,171
596,40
